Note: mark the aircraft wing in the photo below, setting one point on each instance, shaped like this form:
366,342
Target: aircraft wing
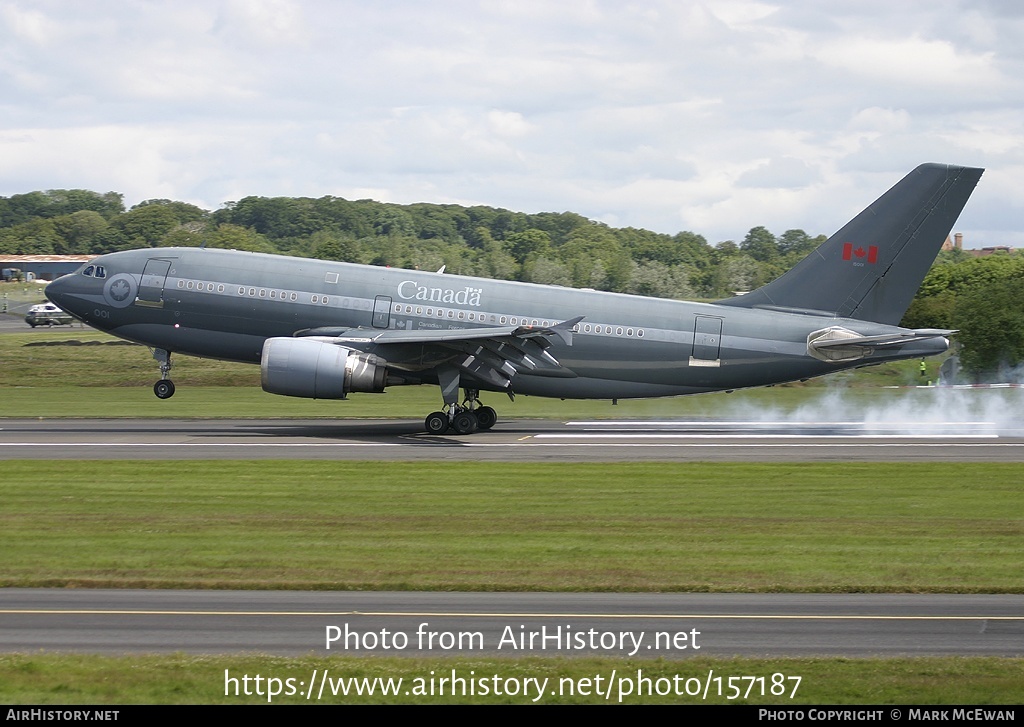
494,355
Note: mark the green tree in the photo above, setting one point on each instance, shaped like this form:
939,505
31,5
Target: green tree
79,230
529,242
547,272
182,211
235,237
740,274
991,324
392,220
328,245
35,237
931,311
658,280
760,244
798,243
146,226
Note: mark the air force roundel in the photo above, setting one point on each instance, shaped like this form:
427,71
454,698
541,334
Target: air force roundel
120,290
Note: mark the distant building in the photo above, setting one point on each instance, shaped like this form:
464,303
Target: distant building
957,243
986,251
44,267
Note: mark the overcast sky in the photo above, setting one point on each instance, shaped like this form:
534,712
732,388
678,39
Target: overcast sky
670,115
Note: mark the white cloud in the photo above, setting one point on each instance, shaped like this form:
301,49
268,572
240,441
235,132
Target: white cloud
914,60
715,116
29,25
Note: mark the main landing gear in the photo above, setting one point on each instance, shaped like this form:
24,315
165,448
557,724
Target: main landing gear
164,388
464,418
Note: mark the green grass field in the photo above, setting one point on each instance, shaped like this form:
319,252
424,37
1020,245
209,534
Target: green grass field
183,679
491,526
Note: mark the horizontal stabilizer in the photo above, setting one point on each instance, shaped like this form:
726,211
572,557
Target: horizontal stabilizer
838,344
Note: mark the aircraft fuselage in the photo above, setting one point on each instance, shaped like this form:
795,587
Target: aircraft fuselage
226,304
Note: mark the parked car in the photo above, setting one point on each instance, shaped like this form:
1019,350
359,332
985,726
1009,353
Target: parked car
47,314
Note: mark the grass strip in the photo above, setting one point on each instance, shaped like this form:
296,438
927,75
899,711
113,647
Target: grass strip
930,527
47,678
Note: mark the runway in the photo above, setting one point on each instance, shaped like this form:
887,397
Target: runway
445,624
515,440
646,625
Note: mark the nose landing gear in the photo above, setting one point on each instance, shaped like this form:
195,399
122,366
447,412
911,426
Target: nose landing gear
164,388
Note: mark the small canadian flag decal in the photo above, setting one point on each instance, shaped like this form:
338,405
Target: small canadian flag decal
860,253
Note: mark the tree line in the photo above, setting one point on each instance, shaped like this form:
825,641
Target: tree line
561,248
982,297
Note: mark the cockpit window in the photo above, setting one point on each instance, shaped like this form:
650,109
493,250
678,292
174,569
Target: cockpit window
101,271
89,271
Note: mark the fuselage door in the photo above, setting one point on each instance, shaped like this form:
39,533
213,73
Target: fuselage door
707,341
382,311
151,289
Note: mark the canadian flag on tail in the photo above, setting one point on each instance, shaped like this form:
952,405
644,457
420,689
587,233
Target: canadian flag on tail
860,253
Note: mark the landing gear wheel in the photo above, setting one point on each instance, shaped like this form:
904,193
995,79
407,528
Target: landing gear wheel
465,423
164,389
486,417
436,422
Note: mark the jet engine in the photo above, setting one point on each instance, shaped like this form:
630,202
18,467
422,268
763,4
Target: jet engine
319,370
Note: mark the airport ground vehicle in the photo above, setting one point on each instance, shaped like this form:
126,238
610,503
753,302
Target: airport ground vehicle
47,314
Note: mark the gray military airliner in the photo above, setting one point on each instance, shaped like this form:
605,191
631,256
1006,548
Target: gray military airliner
323,329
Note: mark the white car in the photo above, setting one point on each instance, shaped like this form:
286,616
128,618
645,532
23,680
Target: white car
47,314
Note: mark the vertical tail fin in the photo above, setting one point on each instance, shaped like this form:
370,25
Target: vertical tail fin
871,269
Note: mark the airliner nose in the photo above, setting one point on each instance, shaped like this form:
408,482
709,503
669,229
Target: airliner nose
56,290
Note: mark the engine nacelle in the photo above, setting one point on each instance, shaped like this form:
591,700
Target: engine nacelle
318,370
